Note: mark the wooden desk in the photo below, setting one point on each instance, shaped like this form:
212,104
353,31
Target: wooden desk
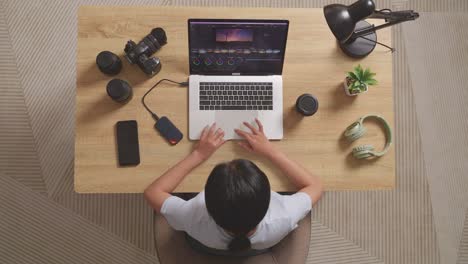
314,64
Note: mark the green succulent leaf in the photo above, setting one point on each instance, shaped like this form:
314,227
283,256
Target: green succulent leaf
366,75
352,75
358,72
362,77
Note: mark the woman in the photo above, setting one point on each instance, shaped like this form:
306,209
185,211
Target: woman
237,211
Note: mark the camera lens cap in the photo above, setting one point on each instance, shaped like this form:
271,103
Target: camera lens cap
108,63
119,90
307,104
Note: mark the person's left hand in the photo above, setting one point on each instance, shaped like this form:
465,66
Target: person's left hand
210,140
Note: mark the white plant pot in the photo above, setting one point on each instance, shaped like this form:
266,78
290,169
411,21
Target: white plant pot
348,93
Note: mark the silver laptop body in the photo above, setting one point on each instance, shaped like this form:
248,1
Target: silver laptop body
235,75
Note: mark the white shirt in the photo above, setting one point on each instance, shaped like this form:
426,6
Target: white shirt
284,212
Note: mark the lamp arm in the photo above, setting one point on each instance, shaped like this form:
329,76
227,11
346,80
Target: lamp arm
371,29
391,17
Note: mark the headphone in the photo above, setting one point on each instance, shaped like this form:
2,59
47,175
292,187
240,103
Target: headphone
357,130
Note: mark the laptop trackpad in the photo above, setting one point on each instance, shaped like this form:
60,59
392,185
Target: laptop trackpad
230,120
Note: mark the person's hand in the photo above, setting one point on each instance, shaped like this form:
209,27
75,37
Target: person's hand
210,140
256,141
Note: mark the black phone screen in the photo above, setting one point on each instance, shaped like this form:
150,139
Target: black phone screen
127,143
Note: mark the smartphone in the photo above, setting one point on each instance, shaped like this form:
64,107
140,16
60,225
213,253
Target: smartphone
127,143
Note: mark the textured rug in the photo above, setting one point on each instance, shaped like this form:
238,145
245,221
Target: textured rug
463,249
439,77
18,155
37,56
36,230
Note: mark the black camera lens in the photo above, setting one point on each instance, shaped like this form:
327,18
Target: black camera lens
108,63
160,35
119,90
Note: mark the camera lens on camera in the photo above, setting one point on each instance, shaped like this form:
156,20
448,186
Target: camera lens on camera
140,53
160,35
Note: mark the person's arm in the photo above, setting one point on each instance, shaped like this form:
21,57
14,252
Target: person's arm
158,191
304,180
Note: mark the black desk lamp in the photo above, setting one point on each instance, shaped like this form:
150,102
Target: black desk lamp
356,37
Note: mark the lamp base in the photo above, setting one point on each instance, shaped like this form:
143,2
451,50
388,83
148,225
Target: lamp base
360,47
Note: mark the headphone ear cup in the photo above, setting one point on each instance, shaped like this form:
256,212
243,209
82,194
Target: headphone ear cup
363,152
354,131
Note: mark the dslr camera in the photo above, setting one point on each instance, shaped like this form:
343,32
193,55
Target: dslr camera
140,53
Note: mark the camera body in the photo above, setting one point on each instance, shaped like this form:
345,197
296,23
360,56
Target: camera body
140,53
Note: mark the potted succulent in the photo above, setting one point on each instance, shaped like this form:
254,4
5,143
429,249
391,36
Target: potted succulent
357,81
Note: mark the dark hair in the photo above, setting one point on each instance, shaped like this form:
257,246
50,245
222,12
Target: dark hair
237,196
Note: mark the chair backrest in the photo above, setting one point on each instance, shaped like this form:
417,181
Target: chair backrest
172,247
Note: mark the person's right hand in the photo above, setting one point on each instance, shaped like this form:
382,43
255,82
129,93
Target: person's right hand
211,139
256,141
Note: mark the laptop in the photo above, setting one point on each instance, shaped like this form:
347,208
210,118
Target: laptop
235,74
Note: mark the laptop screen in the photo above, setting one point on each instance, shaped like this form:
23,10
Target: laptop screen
237,47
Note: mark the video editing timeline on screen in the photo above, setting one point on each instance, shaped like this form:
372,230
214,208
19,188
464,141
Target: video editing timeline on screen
237,48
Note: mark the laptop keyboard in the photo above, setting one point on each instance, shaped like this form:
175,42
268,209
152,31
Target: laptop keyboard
236,96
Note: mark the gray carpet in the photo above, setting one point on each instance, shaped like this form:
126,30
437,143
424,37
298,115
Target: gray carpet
463,249
361,227
18,155
441,98
37,230
327,246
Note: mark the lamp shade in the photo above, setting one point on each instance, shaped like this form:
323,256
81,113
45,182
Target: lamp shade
342,19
